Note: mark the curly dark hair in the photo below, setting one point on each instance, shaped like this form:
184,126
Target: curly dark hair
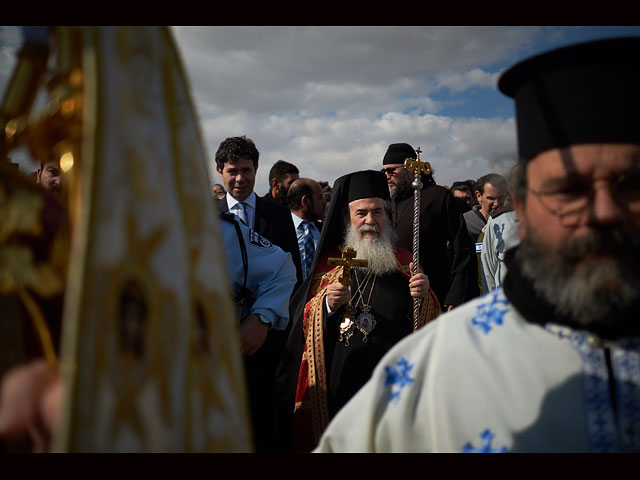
234,148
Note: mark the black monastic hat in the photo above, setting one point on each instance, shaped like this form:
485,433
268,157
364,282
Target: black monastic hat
584,93
346,189
398,153
368,184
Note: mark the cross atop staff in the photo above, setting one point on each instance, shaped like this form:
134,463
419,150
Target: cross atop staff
348,260
417,166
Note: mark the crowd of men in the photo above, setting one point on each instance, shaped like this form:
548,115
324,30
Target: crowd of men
361,216
517,330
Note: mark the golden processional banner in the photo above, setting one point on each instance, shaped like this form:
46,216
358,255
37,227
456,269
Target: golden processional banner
150,354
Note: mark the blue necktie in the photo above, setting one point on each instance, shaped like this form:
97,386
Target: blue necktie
308,248
242,213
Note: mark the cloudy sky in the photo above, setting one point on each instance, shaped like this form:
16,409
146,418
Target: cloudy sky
331,99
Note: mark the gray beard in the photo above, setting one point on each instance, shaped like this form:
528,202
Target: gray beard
378,251
601,291
399,190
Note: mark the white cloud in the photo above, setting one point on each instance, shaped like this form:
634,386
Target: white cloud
331,99
261,69
325,148
459,82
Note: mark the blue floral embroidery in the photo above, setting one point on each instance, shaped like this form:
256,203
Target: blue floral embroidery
399,377
600,419
487,437
626,367
489,312
603,433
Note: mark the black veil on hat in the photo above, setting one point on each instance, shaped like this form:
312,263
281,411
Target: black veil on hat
584,93
346,189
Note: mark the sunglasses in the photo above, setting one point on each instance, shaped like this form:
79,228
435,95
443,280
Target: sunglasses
390,170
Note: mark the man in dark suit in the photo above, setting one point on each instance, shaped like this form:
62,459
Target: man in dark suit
307,205
237,163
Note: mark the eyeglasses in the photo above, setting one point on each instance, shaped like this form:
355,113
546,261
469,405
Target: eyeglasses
570,198
390,170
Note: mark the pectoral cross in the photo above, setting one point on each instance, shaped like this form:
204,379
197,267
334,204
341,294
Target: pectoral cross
348,260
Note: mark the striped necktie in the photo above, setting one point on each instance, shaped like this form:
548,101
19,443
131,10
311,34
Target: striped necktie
308,249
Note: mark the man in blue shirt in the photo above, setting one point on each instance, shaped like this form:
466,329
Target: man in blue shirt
237,164
263,277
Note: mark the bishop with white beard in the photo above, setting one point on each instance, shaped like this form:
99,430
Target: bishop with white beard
341,332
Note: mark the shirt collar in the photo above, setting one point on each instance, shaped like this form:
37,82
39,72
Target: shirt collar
250,200
296,220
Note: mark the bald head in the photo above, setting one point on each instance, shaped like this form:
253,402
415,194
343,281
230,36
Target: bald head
305,199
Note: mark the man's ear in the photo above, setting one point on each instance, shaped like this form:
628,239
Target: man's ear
274,183
219,170
306,202
519,207
38,174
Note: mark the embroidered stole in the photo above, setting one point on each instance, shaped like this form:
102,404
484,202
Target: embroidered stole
311,411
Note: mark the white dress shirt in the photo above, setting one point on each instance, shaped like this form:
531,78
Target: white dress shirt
297,222
250,201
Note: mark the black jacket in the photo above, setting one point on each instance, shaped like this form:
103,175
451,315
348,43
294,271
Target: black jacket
446,253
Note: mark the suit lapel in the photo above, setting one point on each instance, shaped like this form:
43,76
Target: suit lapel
259,219
222,204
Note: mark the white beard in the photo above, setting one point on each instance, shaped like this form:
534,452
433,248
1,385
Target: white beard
378,251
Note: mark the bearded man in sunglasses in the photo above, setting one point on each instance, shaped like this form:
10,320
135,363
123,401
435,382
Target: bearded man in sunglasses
447,255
